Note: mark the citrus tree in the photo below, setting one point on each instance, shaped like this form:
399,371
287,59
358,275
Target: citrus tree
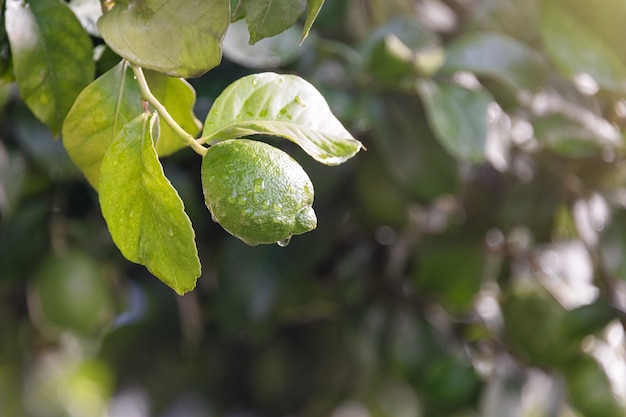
115,128
470,263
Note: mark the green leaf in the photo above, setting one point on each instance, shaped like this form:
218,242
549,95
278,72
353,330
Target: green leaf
181,38
497,56
98,115
458,118
588,319
271,52
313,8
237,11
267,18
52,57
576,135
402,49
280,105
576,48
590,391
143,211
413,156
179,97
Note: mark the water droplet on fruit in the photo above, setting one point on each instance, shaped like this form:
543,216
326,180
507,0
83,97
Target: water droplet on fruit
284,242
254,82
259,185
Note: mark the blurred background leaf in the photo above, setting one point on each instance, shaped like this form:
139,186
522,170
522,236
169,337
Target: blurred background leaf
470,263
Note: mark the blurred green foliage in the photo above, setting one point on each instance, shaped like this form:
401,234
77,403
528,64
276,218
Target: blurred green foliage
470,263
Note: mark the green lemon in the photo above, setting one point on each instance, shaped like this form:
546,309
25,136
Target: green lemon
257,192
71,292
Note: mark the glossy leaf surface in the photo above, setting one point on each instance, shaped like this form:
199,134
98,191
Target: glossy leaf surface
51,66
280,105
144,213
181,38
98,115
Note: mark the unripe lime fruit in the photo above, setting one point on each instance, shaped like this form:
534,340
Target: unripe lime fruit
71,292
257,192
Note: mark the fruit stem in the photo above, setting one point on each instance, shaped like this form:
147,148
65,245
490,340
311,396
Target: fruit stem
162,111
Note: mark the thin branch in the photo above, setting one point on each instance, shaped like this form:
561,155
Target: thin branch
162,111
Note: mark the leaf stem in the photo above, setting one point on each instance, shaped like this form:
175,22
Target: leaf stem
162,111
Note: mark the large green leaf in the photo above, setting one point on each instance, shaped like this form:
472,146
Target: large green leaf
313,8
576,48
458,117
52,57
267,18
144,213
498,56
179,97
280,105
181,38
98,115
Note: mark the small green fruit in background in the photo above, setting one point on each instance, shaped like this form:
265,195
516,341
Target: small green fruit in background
257,192
70,292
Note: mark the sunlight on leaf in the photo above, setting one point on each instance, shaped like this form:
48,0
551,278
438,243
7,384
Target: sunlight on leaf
181,38
578,49
285,106
98,114
51,66
144,213
498,56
